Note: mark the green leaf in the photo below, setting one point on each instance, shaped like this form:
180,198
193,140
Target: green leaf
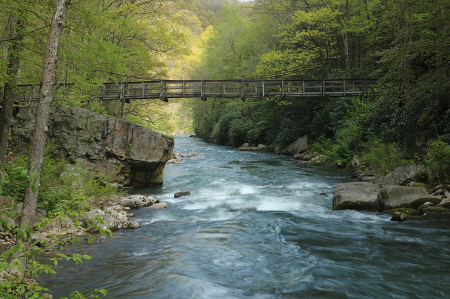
23,174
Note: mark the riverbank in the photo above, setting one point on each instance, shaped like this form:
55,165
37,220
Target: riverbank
256,225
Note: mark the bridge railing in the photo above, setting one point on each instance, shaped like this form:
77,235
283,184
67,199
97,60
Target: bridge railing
169,89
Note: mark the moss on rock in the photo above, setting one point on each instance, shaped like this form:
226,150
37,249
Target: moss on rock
406,211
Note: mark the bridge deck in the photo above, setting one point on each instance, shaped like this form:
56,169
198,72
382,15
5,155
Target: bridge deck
170,89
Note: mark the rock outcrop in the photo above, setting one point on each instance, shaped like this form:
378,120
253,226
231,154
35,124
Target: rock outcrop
393,197
127,153
356,196
403,175
295,147
177,157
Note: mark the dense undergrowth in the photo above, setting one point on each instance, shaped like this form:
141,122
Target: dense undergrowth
65,192
382,131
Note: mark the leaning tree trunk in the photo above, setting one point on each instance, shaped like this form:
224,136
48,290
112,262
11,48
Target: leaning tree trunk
45,98
16,26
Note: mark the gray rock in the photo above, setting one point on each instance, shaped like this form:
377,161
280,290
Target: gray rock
134,224
138,201
340,164
398,216
355,162
365,177
182,193
299,156
289,151
299,145
177,156
444,204
173,161
262,147
393,197
308,156
115,221
192,154
403,175
161,205
356,196
128,154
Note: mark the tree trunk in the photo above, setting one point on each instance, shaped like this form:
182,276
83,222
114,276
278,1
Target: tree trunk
16,26
346,57
438,24
45,98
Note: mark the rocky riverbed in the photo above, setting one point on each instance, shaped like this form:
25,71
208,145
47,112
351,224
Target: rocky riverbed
114,214
402,193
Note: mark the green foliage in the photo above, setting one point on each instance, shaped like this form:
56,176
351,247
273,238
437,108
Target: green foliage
20,266
383,158
437,160
58,183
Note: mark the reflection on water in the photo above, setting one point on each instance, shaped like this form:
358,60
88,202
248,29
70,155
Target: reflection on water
256,226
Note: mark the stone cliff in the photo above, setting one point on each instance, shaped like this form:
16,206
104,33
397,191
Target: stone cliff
128,153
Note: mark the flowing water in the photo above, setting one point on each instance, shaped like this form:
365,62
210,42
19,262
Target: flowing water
256,226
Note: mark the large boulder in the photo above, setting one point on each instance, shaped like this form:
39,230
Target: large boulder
138,201
112,218
296,147
127,153
393,197
356,196
403,175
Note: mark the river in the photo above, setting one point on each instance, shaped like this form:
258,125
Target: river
256,226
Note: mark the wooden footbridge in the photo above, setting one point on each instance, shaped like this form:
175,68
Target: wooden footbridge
203,89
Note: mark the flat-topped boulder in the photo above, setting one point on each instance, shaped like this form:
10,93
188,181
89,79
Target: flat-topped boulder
393,197
127,153
356,196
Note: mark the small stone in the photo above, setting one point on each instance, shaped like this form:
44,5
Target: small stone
126,208
323,193
134,224
182,193
161,205
130,214
340,164
398,216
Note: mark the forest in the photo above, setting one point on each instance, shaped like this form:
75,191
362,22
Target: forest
403,44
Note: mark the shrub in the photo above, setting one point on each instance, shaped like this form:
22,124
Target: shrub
383,158
437,160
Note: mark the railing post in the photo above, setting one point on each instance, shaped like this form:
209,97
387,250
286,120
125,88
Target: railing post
223,89
303,87
242,90
323,88
344,87
162,94
263,88
143,90
282,88
202,91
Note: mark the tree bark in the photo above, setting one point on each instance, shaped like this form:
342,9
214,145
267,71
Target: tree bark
438,24
45,98
16,26
346,57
